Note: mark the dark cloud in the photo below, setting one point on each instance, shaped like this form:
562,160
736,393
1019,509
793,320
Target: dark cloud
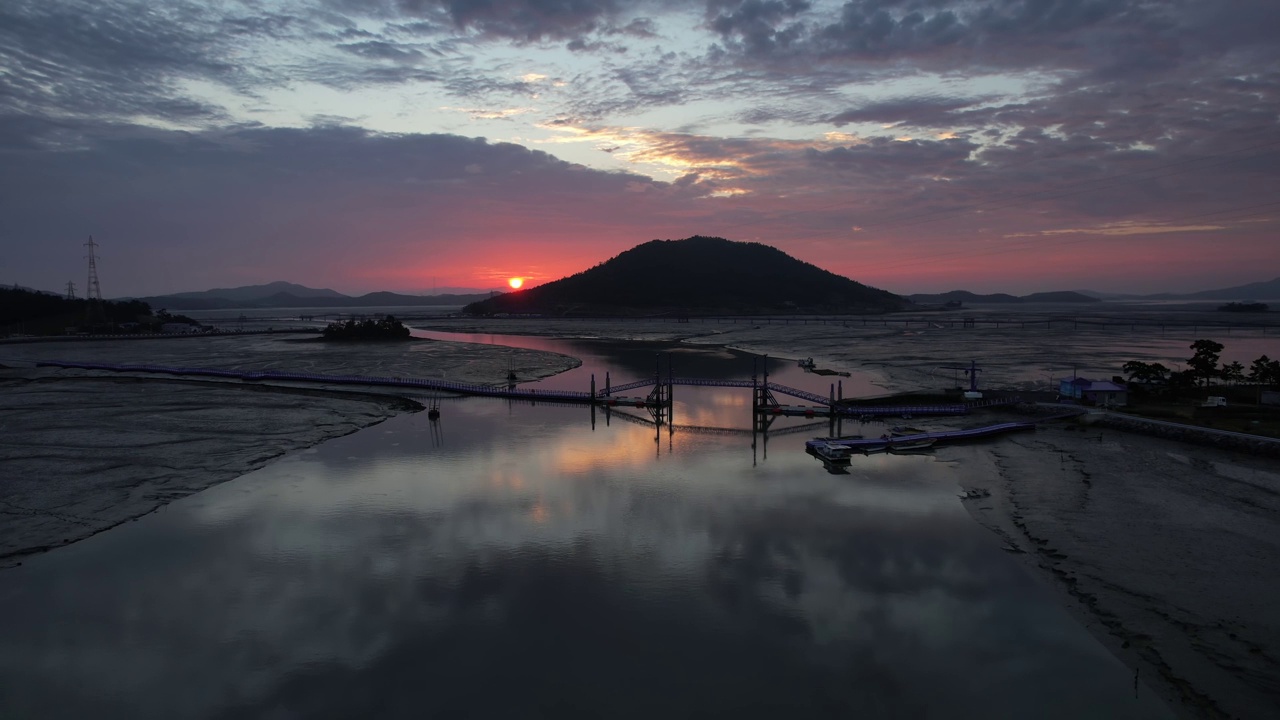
314,200
529,20
519,20
112,59
756,23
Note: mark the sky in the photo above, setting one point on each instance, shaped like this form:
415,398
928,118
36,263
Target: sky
912,145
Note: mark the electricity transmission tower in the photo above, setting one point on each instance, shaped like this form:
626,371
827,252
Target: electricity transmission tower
71,290
93,292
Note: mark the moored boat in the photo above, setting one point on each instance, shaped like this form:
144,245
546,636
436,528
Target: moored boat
829,451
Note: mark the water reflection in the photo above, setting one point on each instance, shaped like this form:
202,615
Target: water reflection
512,561
637,360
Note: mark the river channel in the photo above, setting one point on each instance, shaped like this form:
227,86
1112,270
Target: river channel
543,561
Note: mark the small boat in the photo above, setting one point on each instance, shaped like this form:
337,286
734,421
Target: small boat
807,363
828,451
905,430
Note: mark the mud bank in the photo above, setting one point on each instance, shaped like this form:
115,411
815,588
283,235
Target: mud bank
1165,551
81,452
1012,357
81,455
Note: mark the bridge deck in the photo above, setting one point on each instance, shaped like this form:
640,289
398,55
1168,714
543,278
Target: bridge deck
521,393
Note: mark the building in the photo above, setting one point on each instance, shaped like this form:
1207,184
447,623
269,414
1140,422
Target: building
1097,392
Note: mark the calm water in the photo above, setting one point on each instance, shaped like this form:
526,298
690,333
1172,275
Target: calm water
513,561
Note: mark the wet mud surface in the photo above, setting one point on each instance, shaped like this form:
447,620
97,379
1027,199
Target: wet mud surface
1166,551
81,452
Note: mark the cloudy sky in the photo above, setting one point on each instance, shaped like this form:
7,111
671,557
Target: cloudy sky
914,145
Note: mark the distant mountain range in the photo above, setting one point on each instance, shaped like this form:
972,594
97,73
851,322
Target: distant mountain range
731,284
695,275
282,294
966,297
1267,290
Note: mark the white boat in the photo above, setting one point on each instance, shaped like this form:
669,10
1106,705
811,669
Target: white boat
829,451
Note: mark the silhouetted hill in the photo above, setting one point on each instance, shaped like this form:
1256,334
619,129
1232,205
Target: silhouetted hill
251,293
1269,290
207,301
1061,296
964,296
697,274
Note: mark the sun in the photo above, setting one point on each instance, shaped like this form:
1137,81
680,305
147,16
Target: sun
515,283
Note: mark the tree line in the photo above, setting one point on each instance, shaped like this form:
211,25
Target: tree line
38,313
1203,367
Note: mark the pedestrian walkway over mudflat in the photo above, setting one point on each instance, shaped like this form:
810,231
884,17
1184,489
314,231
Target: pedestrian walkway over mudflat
607,396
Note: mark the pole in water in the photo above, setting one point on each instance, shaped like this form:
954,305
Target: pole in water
593,386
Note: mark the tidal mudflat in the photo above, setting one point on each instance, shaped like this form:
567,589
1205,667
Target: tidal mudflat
523,534
82,451
1165,551
511,560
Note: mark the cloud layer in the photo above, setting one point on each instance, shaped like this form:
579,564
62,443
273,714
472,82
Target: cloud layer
367,144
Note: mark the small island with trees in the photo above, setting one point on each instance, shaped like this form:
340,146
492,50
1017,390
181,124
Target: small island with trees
368,330
1240,307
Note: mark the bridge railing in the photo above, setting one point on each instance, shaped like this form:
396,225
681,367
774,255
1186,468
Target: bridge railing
629,386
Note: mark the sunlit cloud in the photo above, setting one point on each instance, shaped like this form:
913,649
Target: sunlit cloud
1124,227
264,131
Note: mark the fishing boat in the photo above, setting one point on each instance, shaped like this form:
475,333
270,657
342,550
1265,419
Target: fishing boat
807,363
